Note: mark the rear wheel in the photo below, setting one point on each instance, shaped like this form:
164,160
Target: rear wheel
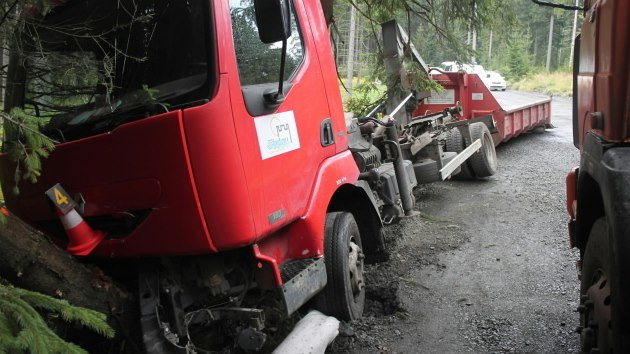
595,304
426,171
344,294
484,162
455,143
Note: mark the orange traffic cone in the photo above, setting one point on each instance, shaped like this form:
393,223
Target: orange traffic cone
83,239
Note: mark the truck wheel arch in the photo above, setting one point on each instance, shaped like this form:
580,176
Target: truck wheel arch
590,208
358,200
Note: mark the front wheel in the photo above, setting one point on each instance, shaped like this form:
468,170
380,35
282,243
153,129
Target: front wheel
595,304
344,294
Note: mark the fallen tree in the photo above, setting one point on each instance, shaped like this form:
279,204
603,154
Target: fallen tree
31,261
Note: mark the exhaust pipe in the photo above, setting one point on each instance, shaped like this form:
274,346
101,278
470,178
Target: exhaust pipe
311,335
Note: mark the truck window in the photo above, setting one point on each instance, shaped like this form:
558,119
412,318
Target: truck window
259,63
91,65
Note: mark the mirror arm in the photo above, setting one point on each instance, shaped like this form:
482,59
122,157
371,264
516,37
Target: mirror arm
280,95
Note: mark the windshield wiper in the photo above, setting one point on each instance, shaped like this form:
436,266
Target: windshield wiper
104,122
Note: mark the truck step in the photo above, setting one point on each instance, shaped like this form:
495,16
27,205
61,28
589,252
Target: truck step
302,279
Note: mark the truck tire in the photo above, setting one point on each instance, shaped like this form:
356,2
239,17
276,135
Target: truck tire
539,129
344,294
595,305
483,162
426,171
455,143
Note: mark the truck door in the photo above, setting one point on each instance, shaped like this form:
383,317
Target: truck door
283,144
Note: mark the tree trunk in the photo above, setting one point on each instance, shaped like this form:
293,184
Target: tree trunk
31,261
549,43
350,62
490,48
575,18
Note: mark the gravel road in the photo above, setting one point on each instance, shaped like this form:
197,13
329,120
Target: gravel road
486,267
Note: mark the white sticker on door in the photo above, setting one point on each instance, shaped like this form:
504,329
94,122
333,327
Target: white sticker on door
277,134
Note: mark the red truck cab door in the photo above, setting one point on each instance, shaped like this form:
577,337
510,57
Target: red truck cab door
282,145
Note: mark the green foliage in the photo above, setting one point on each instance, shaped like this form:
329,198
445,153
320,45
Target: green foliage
29,146
441,30
258,62
559,83
519,63
24,330
150,93
371,91
418,80
437,27
364,97
438,12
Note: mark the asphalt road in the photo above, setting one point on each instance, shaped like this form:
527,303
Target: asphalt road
486,268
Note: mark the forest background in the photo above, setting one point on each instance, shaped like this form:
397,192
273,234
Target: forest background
530,45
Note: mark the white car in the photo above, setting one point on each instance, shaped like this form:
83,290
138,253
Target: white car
494,80
454,66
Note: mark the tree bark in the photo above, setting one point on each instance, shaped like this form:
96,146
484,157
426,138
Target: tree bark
31,261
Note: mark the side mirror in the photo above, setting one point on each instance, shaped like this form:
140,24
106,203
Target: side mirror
273,19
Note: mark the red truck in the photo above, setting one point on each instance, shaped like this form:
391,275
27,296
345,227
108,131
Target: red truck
598,197
203,155
513,114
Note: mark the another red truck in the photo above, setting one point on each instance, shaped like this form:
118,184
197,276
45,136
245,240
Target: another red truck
598,191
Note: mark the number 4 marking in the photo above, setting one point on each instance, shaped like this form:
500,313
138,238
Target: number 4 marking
60,198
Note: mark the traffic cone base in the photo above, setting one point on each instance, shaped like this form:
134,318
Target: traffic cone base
83,239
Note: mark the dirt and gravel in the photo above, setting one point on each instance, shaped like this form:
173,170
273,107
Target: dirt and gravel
486,267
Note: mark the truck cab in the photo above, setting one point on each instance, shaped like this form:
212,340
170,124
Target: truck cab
207,155
176,135
597,190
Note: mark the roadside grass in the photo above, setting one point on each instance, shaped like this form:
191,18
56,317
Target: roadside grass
558,83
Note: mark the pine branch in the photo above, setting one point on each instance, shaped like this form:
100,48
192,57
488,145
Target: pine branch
94,320
5,116
22,328
28,147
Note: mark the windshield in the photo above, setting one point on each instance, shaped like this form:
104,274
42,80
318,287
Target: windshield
90,65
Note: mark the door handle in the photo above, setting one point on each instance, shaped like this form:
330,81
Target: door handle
326,132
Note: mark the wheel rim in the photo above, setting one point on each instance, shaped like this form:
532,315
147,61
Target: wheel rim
596,315
488,146
355,268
